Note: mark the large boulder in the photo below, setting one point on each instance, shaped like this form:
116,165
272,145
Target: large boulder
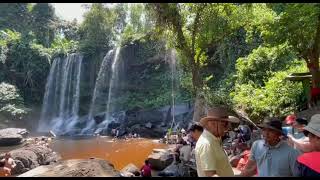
171,171
160,159
75,168
12,136
32,156
147,132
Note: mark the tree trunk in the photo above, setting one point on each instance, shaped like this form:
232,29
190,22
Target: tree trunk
199,108
199,104
314,70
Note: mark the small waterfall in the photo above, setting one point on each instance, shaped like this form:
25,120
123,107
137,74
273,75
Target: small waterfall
100,82
61,100
113,80
173,84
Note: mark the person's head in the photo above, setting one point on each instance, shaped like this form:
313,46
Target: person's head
299,124
271,130
195,131
312,130
146,162
290,119
216,122
7,156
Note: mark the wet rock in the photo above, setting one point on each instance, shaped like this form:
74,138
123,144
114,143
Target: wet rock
130,169
171,171
12,136
32,156
160,159
113,125
148,125
99,118
75,168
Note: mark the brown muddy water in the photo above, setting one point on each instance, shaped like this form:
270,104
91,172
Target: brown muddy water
120,152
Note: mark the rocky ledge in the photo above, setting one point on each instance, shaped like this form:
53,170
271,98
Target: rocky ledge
75,168
12,136
32,156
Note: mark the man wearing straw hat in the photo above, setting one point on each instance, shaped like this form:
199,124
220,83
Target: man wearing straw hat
211,159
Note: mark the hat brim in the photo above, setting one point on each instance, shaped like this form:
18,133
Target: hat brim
265,126
233,119
213,118
311,130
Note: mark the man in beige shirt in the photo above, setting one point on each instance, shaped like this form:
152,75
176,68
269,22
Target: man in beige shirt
211,159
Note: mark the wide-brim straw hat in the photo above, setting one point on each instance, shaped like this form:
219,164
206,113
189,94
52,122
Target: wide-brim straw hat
218,114
314,125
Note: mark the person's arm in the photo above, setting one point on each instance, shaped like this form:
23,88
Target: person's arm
250,169
303,145
251,166
13,164
211,173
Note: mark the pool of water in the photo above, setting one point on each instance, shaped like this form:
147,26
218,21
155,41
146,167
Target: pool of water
120,152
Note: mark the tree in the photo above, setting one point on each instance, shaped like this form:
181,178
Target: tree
96,30
11,103
295,24
15,16
43,16
68,29
194,28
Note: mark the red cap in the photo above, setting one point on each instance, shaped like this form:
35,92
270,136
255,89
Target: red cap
290,119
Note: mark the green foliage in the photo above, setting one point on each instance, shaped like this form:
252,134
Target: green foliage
62,46
277,97
69,30
138,24
11,103
15,16
96,30
43,18
262,62
194,29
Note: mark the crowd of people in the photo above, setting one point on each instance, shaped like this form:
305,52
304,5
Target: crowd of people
281,151
289,148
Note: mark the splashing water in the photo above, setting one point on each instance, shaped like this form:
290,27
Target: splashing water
61,100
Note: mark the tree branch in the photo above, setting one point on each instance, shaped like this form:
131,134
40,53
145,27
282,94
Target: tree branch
195,26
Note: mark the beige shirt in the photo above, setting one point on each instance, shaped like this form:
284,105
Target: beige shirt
210,156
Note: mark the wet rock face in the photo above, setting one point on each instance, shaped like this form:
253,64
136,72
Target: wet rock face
12,136
32,156
75,168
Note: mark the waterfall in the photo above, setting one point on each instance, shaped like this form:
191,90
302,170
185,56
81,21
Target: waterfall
100,81
61,100
114,78
173,84
104,76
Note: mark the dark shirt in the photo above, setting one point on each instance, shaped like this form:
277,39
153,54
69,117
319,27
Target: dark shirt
308,164
305,171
